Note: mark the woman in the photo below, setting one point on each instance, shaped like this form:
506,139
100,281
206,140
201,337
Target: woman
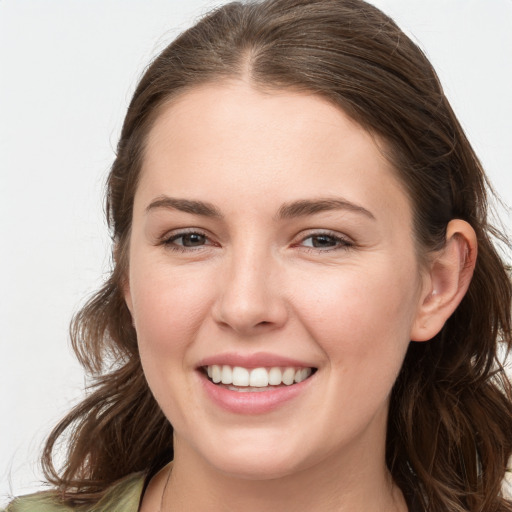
296,216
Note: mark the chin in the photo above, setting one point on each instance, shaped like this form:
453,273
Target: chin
261,467
254,458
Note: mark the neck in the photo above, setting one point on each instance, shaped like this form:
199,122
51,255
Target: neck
357,482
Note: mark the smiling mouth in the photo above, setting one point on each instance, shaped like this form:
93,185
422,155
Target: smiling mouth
237,378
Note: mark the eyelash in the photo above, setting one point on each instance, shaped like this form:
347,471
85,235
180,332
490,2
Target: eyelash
169,241
341,243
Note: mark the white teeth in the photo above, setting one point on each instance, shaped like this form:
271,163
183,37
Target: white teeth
275,376
256,377
216,374
227,374
302,374
289,376
240,376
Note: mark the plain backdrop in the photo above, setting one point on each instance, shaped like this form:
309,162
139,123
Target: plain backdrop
67,71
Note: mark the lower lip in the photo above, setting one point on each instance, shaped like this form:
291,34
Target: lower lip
257,402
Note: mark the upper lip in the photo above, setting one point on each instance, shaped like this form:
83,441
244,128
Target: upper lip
257,360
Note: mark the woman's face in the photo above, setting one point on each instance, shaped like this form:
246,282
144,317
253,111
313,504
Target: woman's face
270,241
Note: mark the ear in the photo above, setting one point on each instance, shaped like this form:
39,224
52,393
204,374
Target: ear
446,281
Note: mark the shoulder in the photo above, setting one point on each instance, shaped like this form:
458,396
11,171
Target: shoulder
45,501
124,496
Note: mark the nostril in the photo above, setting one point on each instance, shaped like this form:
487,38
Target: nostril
248,313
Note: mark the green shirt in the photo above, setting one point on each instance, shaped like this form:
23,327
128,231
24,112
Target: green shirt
123,496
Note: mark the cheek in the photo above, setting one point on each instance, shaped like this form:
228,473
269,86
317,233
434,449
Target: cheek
361,314
169,307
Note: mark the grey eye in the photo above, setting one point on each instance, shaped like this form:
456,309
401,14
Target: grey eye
320,241
191,239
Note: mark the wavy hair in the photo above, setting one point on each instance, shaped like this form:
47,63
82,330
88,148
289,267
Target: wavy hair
449,434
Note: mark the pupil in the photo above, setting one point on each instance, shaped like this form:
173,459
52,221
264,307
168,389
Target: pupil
193,239
323,241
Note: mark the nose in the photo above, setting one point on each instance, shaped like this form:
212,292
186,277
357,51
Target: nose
251,296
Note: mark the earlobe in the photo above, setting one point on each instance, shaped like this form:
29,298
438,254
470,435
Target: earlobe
448,279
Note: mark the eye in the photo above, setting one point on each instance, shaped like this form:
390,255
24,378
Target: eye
325,241
186,240
190,239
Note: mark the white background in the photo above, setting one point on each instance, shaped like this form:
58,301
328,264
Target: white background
67,71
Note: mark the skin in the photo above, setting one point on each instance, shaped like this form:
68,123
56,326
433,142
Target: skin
254,283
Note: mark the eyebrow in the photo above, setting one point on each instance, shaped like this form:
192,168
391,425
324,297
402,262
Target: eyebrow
305,207
300,208
185,205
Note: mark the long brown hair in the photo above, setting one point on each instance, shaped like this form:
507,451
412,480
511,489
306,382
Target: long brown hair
450,423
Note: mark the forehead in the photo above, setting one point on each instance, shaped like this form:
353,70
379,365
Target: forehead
232,141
